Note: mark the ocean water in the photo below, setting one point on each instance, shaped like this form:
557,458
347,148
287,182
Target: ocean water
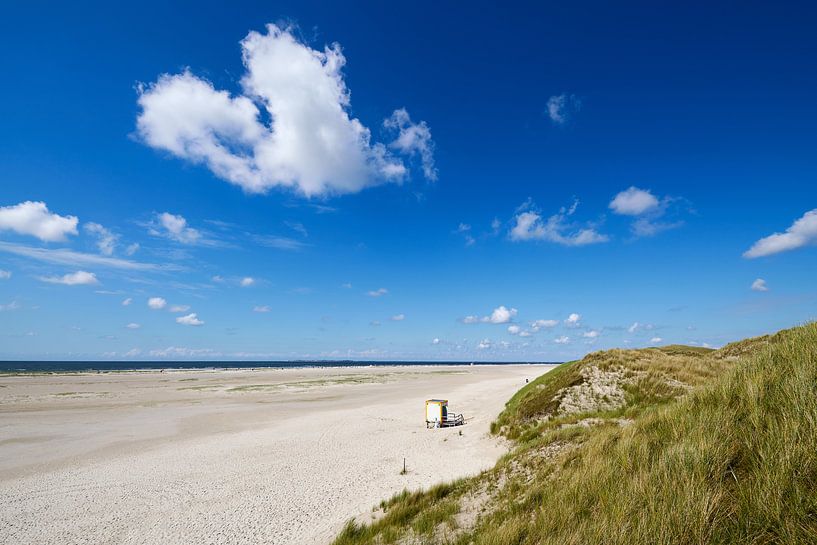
77,366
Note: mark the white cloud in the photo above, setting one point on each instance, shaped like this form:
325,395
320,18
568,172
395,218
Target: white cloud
634,202
217,278
346,285
592,334
563,339
79,278
525,333
435,340
802,232
374,323
105,239
310,144
133,325
132,249
514,329
647,209
656,340
132,353
247,281
14,305
5,275
561,107
280,243
759,285
633,328
529,225
398,317
61,256
573,319
174,227
379,292
413,139
484,344
500,315
189,319
536,325
33,218
261,308
127,301
179,308
157,303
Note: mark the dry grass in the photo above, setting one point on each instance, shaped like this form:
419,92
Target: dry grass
717,447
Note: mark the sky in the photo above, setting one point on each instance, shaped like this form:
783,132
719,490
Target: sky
417,181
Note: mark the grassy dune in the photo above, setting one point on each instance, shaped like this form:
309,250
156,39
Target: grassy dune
662,445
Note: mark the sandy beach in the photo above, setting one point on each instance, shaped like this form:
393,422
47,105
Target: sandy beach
279,456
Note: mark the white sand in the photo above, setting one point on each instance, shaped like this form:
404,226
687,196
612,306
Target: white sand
246,456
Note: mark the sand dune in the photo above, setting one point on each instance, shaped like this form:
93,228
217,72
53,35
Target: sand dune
240,456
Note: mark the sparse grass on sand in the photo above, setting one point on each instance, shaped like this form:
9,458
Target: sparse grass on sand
662,445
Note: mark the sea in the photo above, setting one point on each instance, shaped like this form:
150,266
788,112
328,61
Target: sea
85,366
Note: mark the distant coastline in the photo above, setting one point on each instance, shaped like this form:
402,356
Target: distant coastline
27,367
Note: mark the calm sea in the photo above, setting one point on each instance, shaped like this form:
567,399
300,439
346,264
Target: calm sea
67,366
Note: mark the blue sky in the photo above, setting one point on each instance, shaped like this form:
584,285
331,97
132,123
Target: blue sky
423,181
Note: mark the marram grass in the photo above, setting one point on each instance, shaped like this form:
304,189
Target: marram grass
729,458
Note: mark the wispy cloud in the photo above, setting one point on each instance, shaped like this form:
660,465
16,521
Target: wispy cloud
759,285
62,256
105,238
560,108
190,319
647,209
379,292
279,243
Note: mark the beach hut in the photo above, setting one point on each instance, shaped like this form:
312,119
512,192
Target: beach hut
438,416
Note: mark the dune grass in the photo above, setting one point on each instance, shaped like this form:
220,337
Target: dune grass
707,447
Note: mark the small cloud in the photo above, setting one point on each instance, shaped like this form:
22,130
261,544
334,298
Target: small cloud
190,319
592,334
562,339
5,275
573,319
174,227
398,317
127,301
633,328
484,344
374,323
133,325
529,225
560,108
105,239
132,353
500,315
247,281
634,202
656,340
803,232
217,279
435,340
536,325
759,285
261,308
79,278
514,329
379,292
132,249
297,227
279,243
34,219
179,308
156,303
413,139
470,319
14,305
346,285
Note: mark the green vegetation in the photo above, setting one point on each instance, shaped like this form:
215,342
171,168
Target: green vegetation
661,445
